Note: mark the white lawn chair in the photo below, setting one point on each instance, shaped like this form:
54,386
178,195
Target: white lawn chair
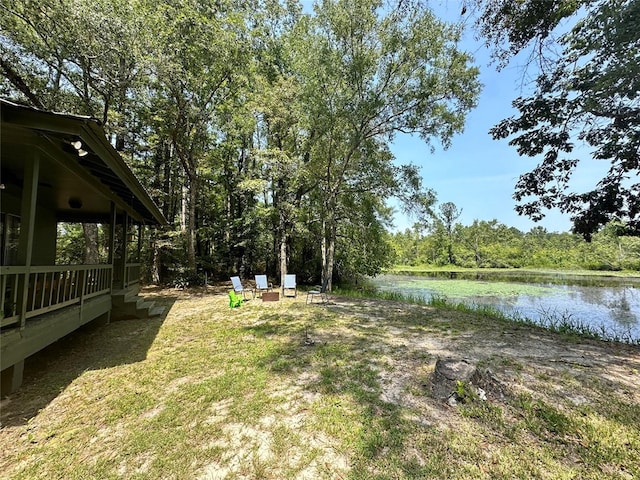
290,284
262,285
237,286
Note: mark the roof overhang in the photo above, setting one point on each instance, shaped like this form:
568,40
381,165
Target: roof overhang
79,188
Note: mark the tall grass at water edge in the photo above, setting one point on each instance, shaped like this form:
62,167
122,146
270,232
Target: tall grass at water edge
552,320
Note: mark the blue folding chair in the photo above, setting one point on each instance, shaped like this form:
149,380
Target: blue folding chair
262,285
290,284
238,288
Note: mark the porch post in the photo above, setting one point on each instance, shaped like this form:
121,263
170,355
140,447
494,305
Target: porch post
27,224
111,260
112,234
119,250
125,249
11,379
12,376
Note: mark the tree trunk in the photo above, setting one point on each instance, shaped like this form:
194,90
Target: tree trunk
283,257
168,186
323,250
328,251
122,98
191,227
91,255
183,209
18,82
330,260
476,252
155,253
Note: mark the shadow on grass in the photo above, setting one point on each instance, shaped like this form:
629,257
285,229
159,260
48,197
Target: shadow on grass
345,363
339,364
93,346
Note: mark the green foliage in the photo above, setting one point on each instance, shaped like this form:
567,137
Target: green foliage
464,392
510,26
589,96
494,245
71,244
262,133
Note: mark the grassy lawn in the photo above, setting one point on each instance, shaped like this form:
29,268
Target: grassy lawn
344,390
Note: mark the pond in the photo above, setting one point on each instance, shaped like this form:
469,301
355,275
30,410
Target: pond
610,306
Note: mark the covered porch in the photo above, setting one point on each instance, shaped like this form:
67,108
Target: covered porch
62,168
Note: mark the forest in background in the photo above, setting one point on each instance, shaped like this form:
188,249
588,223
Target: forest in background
491,244
262,132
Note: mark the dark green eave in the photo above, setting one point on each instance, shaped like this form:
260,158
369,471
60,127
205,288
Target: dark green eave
95,179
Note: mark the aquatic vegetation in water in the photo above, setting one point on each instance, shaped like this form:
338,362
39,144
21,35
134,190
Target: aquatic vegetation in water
465,288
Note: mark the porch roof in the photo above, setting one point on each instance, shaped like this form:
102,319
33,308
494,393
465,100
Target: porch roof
79,188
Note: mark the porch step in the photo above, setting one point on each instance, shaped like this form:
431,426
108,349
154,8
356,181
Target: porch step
157,311
124,294
128,305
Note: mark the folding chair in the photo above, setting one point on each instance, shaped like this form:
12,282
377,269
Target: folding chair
319,291
238,288
290,284
262,284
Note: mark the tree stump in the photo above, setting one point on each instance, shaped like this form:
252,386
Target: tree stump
448,372
453,375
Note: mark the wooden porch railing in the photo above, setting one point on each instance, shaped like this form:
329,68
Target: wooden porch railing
131,274
48,288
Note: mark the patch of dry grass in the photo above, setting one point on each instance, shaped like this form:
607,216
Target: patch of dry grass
214,393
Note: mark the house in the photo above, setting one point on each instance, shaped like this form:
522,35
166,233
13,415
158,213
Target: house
61,168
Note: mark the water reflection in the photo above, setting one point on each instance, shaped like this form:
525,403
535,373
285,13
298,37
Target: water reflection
610,305
542,278
619,302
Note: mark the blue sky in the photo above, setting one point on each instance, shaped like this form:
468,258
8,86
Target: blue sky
477,173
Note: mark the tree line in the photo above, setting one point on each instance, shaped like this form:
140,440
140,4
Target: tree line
262,131
492,244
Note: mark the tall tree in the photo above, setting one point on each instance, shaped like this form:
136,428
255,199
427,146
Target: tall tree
279,132
282,162
79,56
448,215
371,72
199,52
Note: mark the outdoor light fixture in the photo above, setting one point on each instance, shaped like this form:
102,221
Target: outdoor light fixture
77,144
